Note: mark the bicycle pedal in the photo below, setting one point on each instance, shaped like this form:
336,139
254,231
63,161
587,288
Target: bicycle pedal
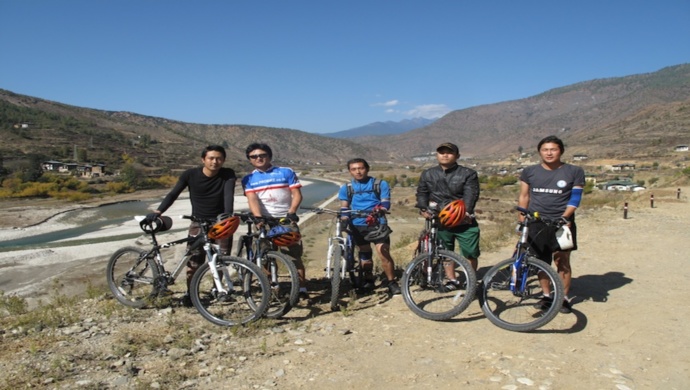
223,297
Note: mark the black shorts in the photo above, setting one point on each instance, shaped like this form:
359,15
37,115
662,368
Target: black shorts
358,233
542,239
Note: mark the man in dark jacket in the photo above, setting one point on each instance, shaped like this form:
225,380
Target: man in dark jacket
443,184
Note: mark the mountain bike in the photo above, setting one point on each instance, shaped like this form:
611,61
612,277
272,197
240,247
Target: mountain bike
279,267
512,297
341,255
226,290
425,283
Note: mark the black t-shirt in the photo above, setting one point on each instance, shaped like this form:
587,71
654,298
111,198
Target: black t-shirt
209,196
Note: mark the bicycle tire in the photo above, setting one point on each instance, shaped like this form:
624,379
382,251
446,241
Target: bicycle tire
131,276
426,297
285,292
336,269
521,312
241,304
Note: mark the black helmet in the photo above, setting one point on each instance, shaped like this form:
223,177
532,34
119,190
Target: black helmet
379,233
160,224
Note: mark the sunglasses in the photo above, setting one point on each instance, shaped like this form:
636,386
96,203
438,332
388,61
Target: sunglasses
255,156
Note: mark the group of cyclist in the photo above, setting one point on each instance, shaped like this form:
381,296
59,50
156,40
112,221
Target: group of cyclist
552,187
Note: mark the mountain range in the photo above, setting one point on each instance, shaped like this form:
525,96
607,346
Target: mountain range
603,117
382,128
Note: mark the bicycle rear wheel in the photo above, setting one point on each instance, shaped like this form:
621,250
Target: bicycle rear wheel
427,296
285,287
247,294
336,269
520,311
130,276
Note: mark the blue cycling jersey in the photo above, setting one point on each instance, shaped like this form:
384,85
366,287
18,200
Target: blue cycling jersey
364,197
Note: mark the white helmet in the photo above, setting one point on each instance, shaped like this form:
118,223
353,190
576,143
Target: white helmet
565,238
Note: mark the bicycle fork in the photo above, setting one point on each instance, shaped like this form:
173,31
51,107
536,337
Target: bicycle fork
329,259
217,277
518,275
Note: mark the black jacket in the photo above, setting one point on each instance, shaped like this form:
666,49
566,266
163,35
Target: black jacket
442,187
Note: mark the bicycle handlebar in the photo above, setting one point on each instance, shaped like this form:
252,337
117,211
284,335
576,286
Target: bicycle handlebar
533,216
357,213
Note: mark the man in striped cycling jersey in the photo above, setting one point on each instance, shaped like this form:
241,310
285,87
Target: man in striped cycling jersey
276,192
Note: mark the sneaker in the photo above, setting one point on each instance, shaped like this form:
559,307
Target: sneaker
451,285
393,288
567,308
303,295
544,303
186,300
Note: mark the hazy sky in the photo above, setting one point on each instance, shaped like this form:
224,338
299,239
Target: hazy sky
323,66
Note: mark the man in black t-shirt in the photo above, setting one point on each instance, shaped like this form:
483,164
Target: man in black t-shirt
211,192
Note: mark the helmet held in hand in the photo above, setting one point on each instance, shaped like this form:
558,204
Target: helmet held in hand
452,214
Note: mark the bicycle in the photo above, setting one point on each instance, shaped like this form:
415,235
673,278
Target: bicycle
425,281
512,295
279,267
340,258
226,290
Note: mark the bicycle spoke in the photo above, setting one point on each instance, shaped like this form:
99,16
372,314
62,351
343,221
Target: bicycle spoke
245,298
429,296
130,277
521,310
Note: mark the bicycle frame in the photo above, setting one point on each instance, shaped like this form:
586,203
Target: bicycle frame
251,242
210,248
522,293
429,244
519,269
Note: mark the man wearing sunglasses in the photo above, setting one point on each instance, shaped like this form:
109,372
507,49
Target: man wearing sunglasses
274,191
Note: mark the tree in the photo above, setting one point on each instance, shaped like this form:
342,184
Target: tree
2,168
82,155
131,175
30,169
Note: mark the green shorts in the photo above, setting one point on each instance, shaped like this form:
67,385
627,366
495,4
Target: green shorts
466,235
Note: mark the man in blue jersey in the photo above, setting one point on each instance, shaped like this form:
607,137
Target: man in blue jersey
554,189
366,193
275,192
211,192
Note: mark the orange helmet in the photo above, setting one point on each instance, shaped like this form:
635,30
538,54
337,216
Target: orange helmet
225,227
452,214
282,235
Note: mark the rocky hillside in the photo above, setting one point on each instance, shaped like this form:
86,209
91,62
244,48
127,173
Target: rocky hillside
583,114
646,112
30,125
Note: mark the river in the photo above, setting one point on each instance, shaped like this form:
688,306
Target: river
83,221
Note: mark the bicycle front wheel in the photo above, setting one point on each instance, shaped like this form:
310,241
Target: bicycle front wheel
284,282
336,270
246,296
130,276
424,285
520,311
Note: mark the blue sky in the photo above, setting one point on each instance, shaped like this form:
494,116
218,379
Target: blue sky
323,66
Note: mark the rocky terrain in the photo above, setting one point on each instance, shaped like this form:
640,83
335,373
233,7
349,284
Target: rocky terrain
627,330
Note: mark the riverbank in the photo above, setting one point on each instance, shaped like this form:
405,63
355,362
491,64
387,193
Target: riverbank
29,272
